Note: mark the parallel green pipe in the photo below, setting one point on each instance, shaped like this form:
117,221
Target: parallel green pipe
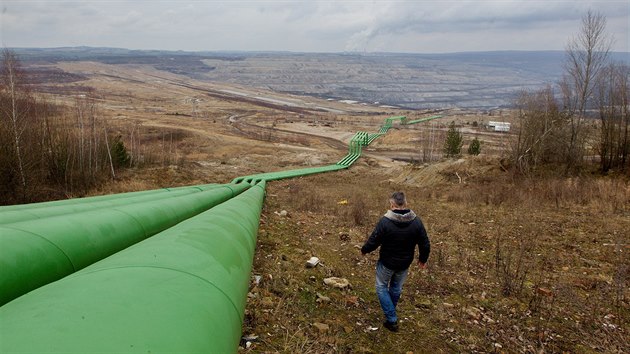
348,160
42,211
273,176
78,200
192,276
372,137
4,208
389,121
355,145
181,291
37,252
359,140
409,122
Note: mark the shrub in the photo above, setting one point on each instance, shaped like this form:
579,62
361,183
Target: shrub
454,141
475,147
120,156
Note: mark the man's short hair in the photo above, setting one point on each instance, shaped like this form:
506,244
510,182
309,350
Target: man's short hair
399,198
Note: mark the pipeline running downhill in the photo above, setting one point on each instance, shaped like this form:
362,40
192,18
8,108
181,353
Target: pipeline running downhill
155,271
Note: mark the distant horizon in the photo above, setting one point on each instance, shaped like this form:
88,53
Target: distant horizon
300,52
410,80
474,79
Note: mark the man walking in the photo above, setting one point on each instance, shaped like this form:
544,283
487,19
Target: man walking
397,233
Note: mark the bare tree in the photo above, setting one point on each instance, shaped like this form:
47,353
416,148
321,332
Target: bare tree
586,55
47,150
541,129
88,139
109,154
612,95
430,136
15,111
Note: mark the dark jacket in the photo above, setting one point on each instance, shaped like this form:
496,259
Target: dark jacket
398,233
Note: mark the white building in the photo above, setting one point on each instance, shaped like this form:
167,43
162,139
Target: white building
499,126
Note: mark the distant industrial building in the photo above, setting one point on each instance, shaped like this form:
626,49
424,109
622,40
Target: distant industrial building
499,126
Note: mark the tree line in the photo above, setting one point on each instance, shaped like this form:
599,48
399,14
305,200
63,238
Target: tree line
47,150
584,117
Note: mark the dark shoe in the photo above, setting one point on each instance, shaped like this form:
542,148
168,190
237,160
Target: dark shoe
392,326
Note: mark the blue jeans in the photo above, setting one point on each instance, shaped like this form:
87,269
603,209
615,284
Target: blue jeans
388,289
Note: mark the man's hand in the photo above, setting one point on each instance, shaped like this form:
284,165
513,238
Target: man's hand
422,265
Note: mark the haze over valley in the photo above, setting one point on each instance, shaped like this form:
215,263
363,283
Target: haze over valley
481,80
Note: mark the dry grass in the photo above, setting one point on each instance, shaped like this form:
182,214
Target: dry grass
358,210
605,195
521,273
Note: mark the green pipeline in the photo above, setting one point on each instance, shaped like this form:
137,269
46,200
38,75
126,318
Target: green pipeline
181,291
355,147
354,152
389,122
273,176
37,252
98,198
422,120
43,210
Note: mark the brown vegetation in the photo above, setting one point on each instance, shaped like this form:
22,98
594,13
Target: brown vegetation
50,151
516,266
563,135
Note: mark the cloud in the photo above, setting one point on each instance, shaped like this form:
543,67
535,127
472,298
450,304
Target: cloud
461,21
305,25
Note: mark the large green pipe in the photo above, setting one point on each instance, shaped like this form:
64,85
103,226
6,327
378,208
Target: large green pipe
4,208
372,137
389,121
98,198
354,152
37,252
421,120
273,176
181,291
43,211
359,140
195,282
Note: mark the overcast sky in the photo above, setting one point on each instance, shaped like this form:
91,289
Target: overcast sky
416,26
